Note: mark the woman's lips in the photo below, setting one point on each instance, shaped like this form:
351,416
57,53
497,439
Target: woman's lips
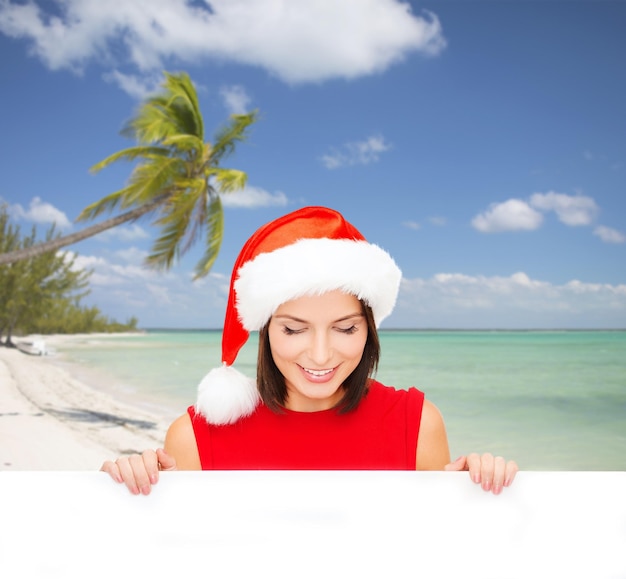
318,376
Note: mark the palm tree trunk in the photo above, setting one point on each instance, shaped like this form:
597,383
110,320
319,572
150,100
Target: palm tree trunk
9,342
59,242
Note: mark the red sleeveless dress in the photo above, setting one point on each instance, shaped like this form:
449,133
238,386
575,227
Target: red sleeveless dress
380,434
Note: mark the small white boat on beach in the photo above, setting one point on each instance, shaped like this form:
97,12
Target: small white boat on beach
34,348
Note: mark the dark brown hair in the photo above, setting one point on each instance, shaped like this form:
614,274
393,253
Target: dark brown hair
271,383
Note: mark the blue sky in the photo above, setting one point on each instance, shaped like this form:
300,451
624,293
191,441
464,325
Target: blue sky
481,143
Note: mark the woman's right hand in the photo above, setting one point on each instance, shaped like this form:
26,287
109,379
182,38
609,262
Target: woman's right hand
139,471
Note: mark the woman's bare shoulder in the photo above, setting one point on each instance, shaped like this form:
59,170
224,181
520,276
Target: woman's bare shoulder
180,442
433,452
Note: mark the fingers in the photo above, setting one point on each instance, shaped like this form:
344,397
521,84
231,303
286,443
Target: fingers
166,462
111,468
474,467
510,471
493,473
138,471
459,464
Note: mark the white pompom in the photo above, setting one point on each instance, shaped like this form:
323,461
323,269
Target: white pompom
225,395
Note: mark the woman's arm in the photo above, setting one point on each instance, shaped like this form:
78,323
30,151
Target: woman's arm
433,453
180,443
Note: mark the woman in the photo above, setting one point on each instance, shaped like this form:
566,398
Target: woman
316,291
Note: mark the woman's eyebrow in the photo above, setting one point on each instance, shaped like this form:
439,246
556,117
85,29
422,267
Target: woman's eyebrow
349,317
302,321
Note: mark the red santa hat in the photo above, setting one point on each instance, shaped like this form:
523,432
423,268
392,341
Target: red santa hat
307,252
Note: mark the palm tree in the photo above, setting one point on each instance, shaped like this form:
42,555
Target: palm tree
177,179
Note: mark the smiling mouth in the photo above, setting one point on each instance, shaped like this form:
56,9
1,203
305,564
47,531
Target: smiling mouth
318,372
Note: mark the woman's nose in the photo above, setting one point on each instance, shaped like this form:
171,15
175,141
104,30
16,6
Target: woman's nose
320,350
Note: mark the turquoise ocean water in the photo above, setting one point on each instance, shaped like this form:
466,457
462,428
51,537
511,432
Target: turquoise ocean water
552,400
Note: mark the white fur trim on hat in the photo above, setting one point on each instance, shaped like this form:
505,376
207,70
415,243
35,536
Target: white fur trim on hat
225,395
313,267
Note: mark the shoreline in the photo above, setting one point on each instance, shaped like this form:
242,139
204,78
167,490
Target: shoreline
559,410
50,420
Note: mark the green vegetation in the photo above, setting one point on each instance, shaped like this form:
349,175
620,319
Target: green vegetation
42,294
177,179
67,316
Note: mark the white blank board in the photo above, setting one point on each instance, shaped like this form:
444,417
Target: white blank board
313,524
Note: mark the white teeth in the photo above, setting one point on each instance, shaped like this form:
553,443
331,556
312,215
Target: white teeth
318,372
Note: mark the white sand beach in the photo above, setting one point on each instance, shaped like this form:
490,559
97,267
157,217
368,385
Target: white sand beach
49,420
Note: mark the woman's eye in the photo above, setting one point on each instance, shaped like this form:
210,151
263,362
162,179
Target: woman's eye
290,332
349,330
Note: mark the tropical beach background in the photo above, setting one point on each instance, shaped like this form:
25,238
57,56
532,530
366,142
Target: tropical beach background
480,142
554,400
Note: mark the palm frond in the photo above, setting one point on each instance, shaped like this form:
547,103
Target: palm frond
184,143
229,180
130,154
234,132
152,123
194,219
185,97
174,226
106,204
174,110
147,182
214,230
150,180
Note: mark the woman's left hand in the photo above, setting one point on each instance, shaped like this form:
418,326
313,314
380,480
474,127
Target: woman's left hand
493,473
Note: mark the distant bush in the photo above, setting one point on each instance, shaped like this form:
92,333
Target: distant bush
42,294
65,317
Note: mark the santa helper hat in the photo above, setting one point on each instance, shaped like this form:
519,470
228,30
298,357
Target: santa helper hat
310,251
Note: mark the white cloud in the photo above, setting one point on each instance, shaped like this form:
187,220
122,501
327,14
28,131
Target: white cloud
512,215
160,294
123,289
138,87
296,41
356,153
254,197
516,214
125,233
455,300
135,272
40,212
236,99
87,261
412,225
132,255
108,273
571,210
609,235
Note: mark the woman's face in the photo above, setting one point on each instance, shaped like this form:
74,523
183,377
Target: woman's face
316,343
